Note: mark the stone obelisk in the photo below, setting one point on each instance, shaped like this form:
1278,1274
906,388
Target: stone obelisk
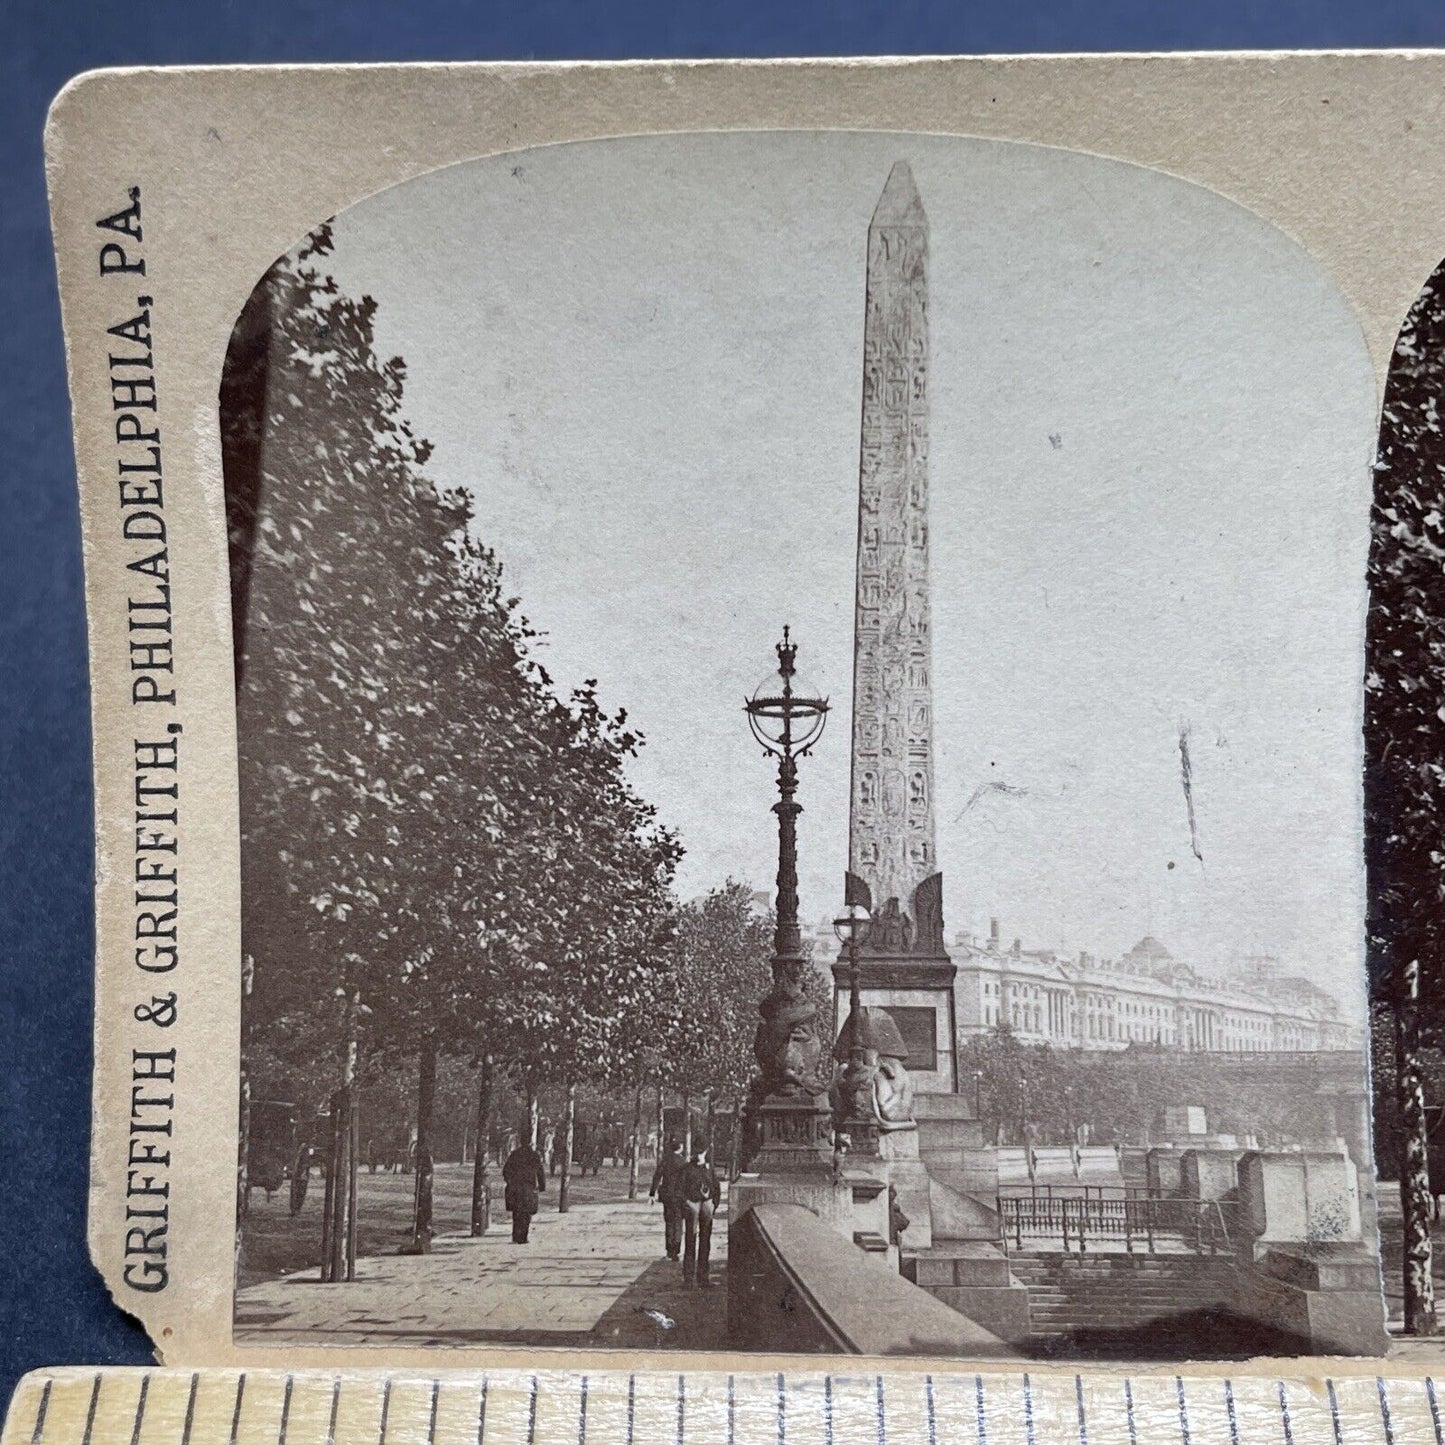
893,866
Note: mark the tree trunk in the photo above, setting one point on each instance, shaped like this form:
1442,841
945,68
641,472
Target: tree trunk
661,1123
338,1230
426,1098
686,1125
636,1142
243,1131
568,1125
735,1163
1415,1200
243,1164
534,1117
711,1129
481,1185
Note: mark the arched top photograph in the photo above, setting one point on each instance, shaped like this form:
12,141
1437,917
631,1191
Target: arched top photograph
685,591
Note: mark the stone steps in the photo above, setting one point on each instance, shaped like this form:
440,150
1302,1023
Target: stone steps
961,1263
1068,1295
946,1124
973,1278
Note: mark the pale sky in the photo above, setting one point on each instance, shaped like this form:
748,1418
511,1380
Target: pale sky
1152,422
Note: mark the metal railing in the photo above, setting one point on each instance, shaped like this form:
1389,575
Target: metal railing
1072,1191
1074,1221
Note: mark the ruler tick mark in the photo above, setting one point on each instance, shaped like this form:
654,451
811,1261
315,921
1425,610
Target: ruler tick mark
190,1410
1284,1414
431,1429
482,1412
1183,1409
582,1414
732,1408
1232,1417
882,1423
1434,1410
236,1413
1385,1410
90,1413
681,1406
140,1408
335,1403
1028,1411
1335,1414
1129,1411
782,1412
41,1411
532,1414
827,1410
385,1410
285,1412
1083,1421
930,1412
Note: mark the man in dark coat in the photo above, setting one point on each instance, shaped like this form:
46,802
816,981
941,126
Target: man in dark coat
526,1179
700,1195
667,1187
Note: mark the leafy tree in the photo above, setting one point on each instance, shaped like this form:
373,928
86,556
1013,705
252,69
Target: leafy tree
340,567
723,948
1405,747
339,561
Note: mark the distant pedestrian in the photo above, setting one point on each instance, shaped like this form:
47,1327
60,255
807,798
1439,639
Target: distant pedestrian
300,1177
667,1189
525,1179
700,1195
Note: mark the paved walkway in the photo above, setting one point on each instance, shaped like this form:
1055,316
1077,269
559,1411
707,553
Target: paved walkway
593,1276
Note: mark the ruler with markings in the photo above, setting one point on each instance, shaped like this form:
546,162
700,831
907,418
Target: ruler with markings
550,1407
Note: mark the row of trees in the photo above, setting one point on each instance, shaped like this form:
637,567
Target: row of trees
442,854
1033,1093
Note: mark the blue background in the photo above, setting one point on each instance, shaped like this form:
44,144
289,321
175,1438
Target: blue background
53,1308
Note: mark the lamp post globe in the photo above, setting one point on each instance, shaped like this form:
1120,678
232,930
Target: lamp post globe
787,721
850,923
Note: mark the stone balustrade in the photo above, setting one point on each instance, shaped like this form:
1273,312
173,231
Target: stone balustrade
796,1286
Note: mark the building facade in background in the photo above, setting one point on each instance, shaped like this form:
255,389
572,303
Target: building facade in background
1146,997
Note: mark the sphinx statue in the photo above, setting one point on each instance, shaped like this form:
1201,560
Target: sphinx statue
875,1086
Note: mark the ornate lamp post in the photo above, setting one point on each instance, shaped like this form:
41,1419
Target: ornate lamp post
851,1112
784,1109
849,927
788,727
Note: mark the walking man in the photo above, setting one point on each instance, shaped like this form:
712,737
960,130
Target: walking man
667,1187
525,1179
700,1195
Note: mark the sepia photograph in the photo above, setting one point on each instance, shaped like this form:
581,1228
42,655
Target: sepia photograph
799,714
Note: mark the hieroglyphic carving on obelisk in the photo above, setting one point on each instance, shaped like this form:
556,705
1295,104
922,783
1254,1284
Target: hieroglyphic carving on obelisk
892,848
